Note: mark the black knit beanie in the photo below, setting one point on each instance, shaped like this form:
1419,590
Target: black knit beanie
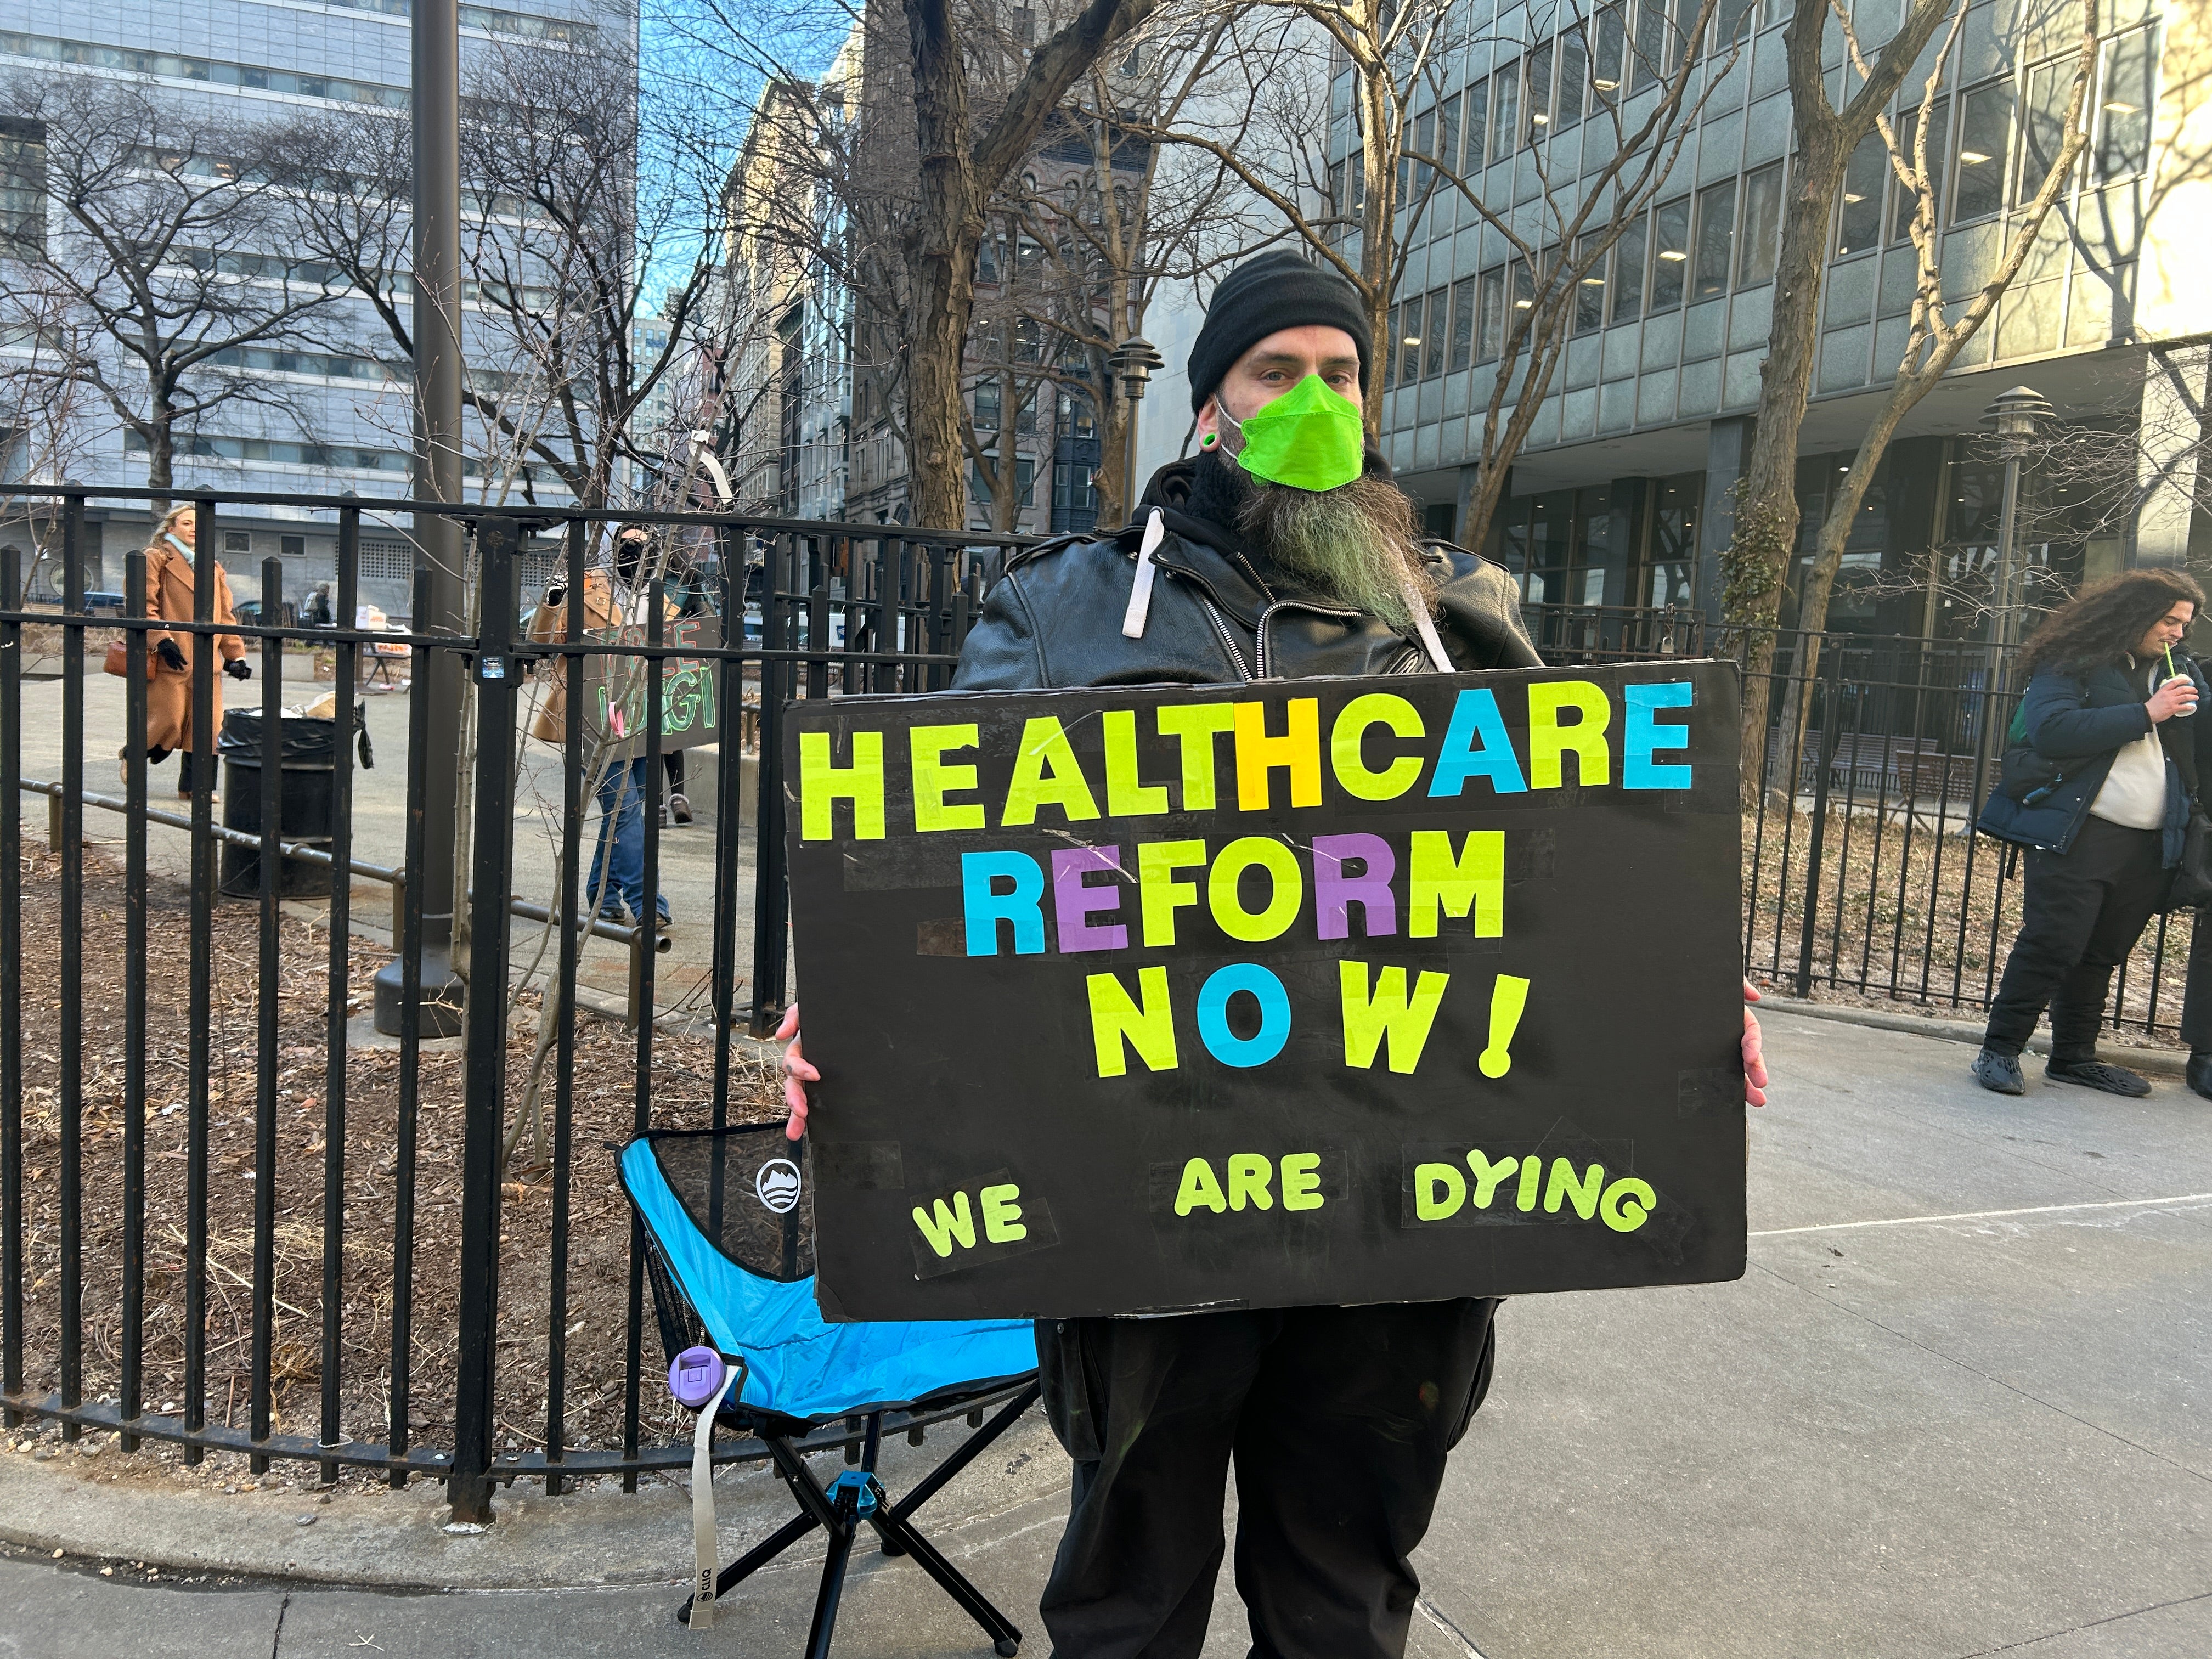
1276,290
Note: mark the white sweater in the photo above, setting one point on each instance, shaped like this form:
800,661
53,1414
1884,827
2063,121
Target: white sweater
2134,795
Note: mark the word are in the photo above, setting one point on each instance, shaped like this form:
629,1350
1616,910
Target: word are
1563,719
1441,1190
1250,1176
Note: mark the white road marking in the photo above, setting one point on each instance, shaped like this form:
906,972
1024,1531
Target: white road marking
1988,1215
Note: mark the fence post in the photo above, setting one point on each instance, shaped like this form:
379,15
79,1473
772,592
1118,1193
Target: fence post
778,631
469,1489
1829,725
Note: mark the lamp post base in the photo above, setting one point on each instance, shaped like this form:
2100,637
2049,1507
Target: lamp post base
443,995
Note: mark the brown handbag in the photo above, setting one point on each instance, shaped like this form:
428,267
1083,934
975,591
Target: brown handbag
118,660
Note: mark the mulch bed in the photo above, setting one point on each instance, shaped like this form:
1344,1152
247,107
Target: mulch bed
598,1231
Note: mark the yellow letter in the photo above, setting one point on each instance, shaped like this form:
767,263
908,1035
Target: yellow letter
1199,1190
1302,1181
1389,1013
1475,880
1126,795
932,778
820,783
1375,708
1149,1028
1438,1191
1625,1203
1286,880
1046,775
1298,749
1195,726
1159,893
1549,739
948,1224
1487,1176
1002,1217
1584,1192
1248,1175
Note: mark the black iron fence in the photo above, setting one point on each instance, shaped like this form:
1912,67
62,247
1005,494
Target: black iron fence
232,1218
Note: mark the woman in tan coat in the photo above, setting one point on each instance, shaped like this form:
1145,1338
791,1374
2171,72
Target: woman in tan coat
171,571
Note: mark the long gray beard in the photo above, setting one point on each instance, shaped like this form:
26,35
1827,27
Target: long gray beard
1356,544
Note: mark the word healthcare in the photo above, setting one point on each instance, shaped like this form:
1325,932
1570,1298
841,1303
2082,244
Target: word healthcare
1315,991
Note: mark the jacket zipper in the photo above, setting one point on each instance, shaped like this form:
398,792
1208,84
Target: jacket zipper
1260,634
1221,629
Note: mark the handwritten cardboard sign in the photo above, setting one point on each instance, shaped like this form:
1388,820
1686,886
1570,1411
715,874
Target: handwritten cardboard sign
691,687
1299,992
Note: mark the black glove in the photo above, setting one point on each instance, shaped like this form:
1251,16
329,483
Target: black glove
237,669
172,657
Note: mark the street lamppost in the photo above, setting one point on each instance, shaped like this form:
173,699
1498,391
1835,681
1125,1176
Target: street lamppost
1133,362
2017,415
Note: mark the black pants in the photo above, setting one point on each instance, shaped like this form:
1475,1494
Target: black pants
2083,912
1340,1420
2196,998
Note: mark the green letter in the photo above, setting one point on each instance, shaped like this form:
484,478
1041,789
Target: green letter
1126,795
1046,774
932,778
1148,1027
1438,1191
1487,1176
1195,726
1625,1203
1390,1013
1302,1181
1474,880
1347,736
1286,885
1584,1192
1248,1175
820,783
1549,739
1199,1190
1159,893
1002,1217
1531,1171
948,1224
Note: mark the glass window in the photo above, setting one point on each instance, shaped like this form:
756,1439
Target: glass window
1858,221
1462,324
1716,240
1390,348
1478,126
1628,271
1648,50
1674,546
1670,235
1411,334
1425,141
1606,58
1589,294
987,405
1732,20
1432,358
1939,128
1505,111
1984,151
2124,111
1446,149
1551,524
1574,78
1490,325
1025,413
2048,87
1539,93
1762,226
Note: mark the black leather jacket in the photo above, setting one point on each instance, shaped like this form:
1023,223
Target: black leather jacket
1055,617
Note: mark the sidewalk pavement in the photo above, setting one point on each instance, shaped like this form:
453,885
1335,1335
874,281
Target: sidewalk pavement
1959,1406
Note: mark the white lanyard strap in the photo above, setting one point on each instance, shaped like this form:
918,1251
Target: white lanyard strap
1424,624
1140,590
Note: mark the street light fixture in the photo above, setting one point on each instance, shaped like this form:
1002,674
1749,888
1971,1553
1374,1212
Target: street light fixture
1133,362
2017,415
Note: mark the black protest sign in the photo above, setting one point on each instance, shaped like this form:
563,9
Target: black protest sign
691,687
1297,992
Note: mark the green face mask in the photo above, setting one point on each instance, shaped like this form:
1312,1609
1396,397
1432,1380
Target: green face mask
1309,438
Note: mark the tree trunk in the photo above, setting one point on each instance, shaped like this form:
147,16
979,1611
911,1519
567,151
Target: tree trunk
161,456
1378,159
948,228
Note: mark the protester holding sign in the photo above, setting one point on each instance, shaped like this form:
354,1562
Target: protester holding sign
1283,552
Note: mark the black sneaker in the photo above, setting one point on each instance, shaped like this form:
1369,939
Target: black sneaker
1999,1071
679,810
2200,1072
2096,1074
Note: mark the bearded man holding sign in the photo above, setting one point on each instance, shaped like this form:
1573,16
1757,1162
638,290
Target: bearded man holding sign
1282,551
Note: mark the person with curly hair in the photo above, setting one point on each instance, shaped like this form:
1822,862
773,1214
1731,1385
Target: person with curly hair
2105,751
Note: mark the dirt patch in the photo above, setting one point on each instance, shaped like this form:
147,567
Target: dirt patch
595,1315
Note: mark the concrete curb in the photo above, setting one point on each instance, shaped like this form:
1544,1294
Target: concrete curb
2165,1062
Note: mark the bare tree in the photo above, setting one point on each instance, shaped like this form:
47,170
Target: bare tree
156,267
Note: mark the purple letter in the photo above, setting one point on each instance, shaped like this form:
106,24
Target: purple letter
1335,893
1073,903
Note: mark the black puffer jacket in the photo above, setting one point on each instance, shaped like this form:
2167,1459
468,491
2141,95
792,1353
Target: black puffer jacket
1218,613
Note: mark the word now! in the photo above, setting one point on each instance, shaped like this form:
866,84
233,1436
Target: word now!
1565,719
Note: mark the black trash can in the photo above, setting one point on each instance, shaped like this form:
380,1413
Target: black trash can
307,758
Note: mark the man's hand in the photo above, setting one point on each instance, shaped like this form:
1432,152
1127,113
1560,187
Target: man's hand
1755,1059
797,1074
2177,696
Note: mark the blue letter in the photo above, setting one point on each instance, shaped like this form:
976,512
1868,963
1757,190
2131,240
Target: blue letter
1475,715
1642,736
985,910
1223,1044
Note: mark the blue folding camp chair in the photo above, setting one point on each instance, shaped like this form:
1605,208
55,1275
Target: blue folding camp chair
731,1255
